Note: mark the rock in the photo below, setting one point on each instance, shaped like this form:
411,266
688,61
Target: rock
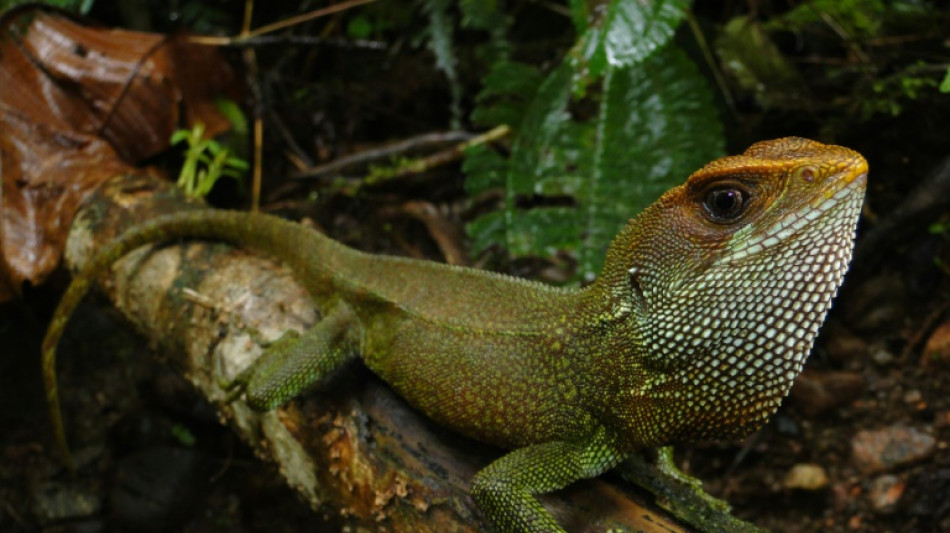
879,304
806,477
926,496
885,492
881,356
842,345
817,392
915,398
883,449
856,522
937,349
54,502
159,488
843,496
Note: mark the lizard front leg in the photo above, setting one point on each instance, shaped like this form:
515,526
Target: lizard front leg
505,490
294,361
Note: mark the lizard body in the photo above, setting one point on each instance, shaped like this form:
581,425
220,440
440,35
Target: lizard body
706,308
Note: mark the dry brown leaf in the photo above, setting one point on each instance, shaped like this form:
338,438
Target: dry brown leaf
46,175
79,105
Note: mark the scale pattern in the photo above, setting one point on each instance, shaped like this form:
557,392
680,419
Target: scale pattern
728,310
747,323
704,313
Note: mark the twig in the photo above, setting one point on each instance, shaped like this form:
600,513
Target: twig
443,232
926,327
293,21
283,40
554,7
7,285
298,157
843,34
12,512
713,66
418,166
386,152
253,75
888,40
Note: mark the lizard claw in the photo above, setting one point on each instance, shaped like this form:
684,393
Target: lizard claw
233,388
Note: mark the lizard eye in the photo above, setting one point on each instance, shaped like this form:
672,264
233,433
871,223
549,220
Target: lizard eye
725,203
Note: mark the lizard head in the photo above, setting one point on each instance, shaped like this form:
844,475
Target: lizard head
729,277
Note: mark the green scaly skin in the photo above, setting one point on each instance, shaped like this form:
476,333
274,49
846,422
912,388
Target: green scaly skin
706,308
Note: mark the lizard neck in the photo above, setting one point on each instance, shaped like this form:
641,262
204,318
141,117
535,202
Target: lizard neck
703,339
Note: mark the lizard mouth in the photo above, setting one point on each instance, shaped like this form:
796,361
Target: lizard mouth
849,173
844,193
861,178
841,187
854,177
854,174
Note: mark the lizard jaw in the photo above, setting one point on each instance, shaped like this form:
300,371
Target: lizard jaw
844,187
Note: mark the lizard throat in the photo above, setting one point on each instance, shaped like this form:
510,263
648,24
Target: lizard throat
730,341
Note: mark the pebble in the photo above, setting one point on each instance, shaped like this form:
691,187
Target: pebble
882,357
885,492
806,476
937,349
817,392
56,502
842,345
159,488
913,397
883,449
879,305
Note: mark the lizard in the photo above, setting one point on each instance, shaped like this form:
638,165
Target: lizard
705,310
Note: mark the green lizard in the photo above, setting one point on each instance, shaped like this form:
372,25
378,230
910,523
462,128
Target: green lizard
704,313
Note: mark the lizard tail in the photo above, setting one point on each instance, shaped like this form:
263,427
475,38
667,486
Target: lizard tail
267,233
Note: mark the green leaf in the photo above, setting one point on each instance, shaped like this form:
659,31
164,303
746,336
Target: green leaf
235,115
484,169
622,32
486,231
180,135
183,435
485,15
657,125
945,84
441,30
237,163
635,29
748,55
538,148
571,184
359,27
488,16
547,230
857,18
551,151
580,12
509,88
78,6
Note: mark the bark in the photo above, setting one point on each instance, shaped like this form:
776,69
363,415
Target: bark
350,445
